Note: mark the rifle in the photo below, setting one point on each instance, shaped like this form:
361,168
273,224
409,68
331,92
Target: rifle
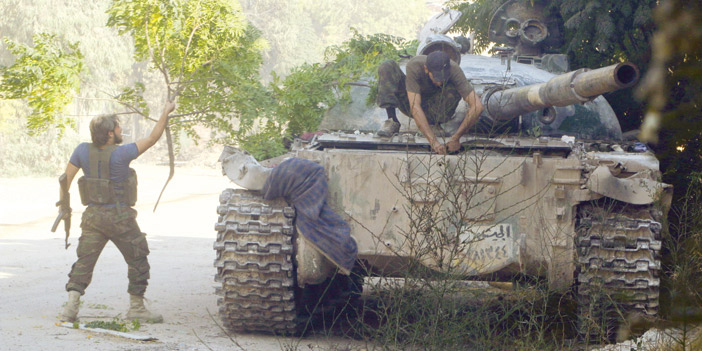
64,205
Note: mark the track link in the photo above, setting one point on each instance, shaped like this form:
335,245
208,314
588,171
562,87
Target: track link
618,266
255,263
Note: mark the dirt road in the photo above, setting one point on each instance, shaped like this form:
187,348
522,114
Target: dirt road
34,268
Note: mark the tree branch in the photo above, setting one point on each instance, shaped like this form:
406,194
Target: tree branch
148,44
179,87
171,162
358,84
130,107
190,113
187,121
160,64
193,81
171,95
116,113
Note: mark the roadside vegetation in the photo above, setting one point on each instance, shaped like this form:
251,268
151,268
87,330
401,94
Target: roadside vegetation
115,324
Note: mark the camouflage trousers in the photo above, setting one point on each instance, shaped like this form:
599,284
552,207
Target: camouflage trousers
438,107
103,224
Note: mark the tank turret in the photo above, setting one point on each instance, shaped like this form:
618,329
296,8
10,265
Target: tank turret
527,29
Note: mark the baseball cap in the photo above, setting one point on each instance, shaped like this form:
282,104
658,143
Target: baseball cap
438,63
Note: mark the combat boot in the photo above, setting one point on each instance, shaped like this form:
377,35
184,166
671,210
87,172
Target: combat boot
137,310
389,128
70,311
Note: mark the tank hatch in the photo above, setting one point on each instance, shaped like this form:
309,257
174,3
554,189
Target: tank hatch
439,24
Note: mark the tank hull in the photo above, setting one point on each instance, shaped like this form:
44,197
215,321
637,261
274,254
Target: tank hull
502,207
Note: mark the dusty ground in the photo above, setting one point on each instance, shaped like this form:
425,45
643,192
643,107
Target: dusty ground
34,268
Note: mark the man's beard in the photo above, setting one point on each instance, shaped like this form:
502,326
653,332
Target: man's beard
118,139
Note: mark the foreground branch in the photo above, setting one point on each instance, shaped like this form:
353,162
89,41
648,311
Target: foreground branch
171,163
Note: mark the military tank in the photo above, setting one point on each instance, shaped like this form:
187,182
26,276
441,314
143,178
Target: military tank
544,186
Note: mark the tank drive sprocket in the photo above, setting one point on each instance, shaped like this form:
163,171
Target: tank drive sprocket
618,266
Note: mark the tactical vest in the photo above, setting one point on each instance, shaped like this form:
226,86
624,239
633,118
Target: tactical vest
98,189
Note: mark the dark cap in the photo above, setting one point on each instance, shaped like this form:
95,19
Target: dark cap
438,63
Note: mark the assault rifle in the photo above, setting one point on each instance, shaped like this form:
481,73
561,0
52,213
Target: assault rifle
64,205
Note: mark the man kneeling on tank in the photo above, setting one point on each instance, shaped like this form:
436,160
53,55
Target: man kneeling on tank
429,93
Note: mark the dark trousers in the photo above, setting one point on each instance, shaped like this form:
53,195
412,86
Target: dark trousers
438,107
103,224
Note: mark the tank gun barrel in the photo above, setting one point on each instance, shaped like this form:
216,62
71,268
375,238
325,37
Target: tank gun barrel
570,88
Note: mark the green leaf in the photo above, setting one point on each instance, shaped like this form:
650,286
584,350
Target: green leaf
47,76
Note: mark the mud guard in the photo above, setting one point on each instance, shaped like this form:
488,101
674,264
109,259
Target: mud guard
635,190
312,266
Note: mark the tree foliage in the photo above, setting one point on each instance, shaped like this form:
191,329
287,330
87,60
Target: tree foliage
608,30
47,76
671,87
604,32
310,90
207,53
476,19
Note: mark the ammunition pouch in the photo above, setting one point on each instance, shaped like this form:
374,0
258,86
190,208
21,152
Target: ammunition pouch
96,191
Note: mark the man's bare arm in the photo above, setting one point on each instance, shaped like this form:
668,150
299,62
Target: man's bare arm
475,109
145,143
422,123
71,171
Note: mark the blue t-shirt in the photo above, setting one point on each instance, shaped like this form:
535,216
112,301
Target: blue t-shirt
119,161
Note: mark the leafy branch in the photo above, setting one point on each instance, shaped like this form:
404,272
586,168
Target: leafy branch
47,76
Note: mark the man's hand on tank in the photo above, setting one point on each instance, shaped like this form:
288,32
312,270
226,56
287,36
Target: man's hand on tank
438,147
453,145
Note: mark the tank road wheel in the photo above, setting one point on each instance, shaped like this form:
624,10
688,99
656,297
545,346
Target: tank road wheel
618,266
255,263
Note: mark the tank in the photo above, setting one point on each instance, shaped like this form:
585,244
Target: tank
543,187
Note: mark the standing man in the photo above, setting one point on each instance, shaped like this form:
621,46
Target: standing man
108,189
429,93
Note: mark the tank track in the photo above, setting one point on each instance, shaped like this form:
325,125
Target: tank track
255,263
618,267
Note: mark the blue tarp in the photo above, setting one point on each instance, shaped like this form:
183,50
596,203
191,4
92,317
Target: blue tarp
304,185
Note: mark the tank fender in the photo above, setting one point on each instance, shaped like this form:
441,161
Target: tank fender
638,189
312,266
243,169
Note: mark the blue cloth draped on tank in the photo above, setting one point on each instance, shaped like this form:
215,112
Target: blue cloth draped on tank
304,185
